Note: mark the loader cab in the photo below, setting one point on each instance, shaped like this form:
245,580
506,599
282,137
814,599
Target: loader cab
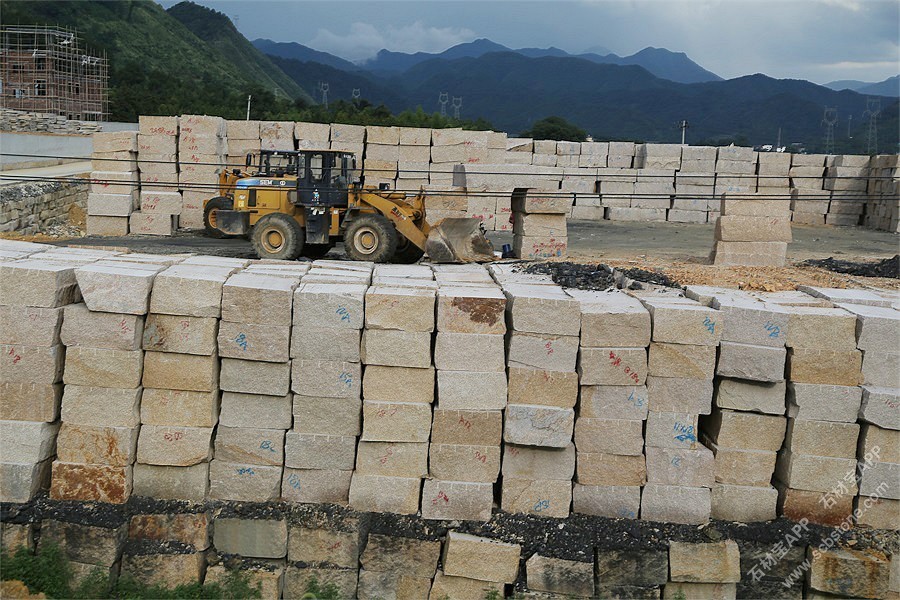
274,163
324,177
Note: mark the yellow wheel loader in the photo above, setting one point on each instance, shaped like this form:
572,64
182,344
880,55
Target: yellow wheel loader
300,203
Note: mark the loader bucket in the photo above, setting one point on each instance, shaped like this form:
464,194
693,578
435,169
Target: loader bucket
458,241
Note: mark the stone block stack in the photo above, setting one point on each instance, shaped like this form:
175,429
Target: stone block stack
33,295
471,388
277,135
613,405
201,157
349,138
542,354
481,204
621,155
816,469
539,223
846,182
735,172
616,187
753,231
568,154
181,400
544,153
253,341
158,154
744,435
809,201
883,204
414,159
98,440
242,138
397,567
658,156
695,185
382,155
681,366
326,379
519,151
773,173
115,188
312,136
653,190
445,202
398,390
328,553
703,570
167,549
257,547
475,567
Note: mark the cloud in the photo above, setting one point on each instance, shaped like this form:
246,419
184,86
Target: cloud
364,40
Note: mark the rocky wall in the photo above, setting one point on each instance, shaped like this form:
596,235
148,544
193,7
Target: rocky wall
32,207
28,122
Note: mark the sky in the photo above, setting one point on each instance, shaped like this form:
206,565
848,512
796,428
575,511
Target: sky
817,40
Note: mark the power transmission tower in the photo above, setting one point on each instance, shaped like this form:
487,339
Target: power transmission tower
443,98
457,104
873,109
829,121
356,95
323,87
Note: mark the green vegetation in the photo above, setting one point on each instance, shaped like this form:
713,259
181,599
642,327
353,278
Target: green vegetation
314,591
555,128
48,572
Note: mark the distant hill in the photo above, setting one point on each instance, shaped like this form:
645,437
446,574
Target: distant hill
386,62
888,87
308,74
845,84
217,30
303,53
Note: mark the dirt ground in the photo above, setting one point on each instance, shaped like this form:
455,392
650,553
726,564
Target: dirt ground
677,250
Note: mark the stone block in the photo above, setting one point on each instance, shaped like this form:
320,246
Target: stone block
462,351
30,325
880,479
613,402
749,431
455,462
850,573
668,394
329,379
38,283
186,528
736,466
744,504
153,223
318,451
607,500
615,470
163,370
192,290
405,384
166,445
107,226
612,320
542,497
90,329
457,500
881,369
257,538
608,436
749,254
558,576
876,327
180,334
31,364
798,504
750,362
298,579
179,407
250,445
467,427
16,535
534,463
375,493
814,473
469,390
536,248
255,377
542,309
447,586
878,513
879,406
396,421
115,289
400,555
373,585
316,486
330,305
407,309
676,504
885,443
632,567
98,546
244,482
165,569
480,558
103,367
267,412
698,591
686,361
391,459
166,482
20,482
814,402
250,341
319,545
30,401
394,348
613,366
711,562
90,483
767,398
27,441
824,366
538,387
680,466
820,327
262,299
671,430
328,416
685,323
325,343
89,444
471,310
822,438
538,425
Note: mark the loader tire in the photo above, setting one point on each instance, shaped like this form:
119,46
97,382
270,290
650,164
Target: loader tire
407,253
209,215
372,238
278,236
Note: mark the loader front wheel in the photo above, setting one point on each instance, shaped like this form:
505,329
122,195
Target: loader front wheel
372,238
212,206
278,236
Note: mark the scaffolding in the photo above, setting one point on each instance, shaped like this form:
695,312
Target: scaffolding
45,70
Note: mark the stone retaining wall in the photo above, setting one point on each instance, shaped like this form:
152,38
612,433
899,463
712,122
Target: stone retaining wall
30,207
21,121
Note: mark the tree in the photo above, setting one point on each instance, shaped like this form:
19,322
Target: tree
555,128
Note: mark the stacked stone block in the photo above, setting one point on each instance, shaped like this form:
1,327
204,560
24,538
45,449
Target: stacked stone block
202,151
312,136
695,186
115,189
753,230
397,567
703,570
475,566
519,151
277,135
653,190
809,202
242,138
774,172
735,172
616,187
621,155
539,223
255,547
167,549
349,138
846,182
414,159
883,202
613,405
382,156
542,350
158,153
98,440
326,380
681,366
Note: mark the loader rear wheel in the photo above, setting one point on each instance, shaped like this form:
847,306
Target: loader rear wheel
209,215
371,237
407,253
278,236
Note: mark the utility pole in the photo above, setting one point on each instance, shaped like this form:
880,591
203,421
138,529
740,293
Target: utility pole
684,126
849,121
248,106
778,142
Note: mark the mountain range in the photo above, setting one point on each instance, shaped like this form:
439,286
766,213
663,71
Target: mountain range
888,87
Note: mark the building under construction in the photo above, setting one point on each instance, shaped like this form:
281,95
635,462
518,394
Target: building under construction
46,70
